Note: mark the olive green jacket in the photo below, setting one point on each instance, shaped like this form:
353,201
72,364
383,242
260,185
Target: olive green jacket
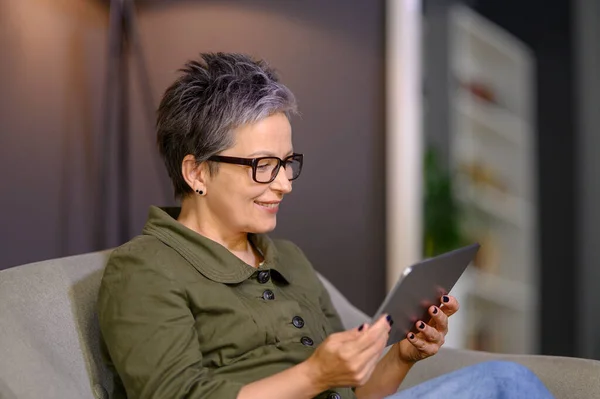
182,317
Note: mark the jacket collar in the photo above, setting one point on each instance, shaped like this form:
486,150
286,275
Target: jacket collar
210,258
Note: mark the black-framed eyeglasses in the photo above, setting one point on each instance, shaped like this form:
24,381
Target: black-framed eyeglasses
266,169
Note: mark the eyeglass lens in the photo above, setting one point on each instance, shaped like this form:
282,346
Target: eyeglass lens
266,169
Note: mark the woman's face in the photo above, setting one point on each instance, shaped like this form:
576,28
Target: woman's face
234,199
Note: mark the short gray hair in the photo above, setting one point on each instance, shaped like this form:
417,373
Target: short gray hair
215,95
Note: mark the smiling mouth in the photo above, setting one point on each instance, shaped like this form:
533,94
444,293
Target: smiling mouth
268,204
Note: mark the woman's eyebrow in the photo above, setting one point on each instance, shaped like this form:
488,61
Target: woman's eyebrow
269,154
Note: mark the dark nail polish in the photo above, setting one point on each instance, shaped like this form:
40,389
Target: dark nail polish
421,326
388,318
361,327
411,336
434,310
446,298
391,323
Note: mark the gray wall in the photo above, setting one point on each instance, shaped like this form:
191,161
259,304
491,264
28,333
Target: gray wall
329,53
587,62
51,75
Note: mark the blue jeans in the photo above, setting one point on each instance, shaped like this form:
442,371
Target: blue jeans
488,380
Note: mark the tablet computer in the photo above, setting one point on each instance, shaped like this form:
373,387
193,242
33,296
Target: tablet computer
421,286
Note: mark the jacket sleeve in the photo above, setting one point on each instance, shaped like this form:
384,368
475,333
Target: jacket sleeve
150,334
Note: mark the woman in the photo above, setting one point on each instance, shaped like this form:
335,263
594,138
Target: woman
204,305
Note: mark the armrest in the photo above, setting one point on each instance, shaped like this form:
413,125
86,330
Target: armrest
565,377
350,315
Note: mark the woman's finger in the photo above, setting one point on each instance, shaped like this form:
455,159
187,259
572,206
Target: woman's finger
439,318
377,346
426,348
349,335
429,333
369,336
369,368
368,355
449,305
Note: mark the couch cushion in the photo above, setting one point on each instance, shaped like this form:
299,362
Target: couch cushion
49,335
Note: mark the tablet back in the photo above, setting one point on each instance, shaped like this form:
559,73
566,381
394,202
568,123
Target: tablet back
421,286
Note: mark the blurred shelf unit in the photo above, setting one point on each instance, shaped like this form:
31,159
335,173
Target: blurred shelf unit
493,157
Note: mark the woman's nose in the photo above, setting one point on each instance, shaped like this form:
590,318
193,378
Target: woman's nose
281,182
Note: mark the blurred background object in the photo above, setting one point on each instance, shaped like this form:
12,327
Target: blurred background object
485,191
441,224
500,74
492,159
457,121
124,46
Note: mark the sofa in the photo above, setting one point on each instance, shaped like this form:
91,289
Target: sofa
50,341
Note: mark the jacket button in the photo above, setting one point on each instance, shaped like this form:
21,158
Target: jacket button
306,341
263,276
334,395
268,295
298,322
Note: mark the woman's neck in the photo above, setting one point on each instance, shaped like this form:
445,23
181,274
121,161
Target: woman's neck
237,243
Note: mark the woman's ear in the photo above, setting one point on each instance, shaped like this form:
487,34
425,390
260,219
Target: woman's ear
193,173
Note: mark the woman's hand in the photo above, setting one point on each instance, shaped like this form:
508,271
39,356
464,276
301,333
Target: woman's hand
348,358
431,335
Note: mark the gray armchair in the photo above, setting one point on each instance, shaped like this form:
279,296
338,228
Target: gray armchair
50,344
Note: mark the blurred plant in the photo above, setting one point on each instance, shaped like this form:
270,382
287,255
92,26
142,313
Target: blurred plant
441,227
